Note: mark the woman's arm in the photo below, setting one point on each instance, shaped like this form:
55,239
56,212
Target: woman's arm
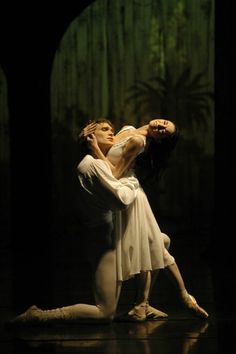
96,152
132,148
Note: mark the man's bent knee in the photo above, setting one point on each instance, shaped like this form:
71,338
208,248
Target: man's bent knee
106,312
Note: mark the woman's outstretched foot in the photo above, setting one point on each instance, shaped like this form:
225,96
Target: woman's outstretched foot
142,312
154,314
137,313
190,302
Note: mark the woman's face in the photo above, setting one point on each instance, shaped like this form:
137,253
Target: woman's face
160,128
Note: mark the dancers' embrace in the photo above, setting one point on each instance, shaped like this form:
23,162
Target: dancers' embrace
123,238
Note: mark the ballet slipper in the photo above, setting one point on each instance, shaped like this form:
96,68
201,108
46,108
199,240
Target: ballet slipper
137,313
154,314
30,316
34,315
190,302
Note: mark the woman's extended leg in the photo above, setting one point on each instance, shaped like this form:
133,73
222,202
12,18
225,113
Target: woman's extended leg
188,300
174,274
142,309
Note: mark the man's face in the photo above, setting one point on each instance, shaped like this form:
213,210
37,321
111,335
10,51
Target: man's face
104,134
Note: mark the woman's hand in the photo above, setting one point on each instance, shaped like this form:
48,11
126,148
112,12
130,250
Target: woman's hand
88,130
95,150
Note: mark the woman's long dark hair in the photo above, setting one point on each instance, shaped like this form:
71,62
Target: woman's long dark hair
153,161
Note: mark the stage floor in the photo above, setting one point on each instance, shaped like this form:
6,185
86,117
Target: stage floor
179,334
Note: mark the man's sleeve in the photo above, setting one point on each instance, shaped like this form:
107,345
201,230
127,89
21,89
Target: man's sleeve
124,190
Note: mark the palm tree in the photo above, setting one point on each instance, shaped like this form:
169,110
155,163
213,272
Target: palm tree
186,100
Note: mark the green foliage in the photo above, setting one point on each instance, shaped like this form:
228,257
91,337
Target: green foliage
186,100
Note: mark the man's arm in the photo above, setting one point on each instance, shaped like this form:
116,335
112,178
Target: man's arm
123,191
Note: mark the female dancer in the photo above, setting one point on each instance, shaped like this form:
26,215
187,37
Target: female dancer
141,246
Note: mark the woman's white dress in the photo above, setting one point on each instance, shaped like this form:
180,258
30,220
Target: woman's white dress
141,246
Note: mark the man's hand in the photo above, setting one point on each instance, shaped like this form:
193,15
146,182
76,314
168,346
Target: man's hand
92,143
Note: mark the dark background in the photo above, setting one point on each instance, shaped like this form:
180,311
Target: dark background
29,36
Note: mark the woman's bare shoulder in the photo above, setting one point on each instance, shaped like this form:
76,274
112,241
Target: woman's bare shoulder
125,131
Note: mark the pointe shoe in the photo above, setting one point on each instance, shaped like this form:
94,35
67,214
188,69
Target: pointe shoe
154,314
30,316
137,313
190,302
